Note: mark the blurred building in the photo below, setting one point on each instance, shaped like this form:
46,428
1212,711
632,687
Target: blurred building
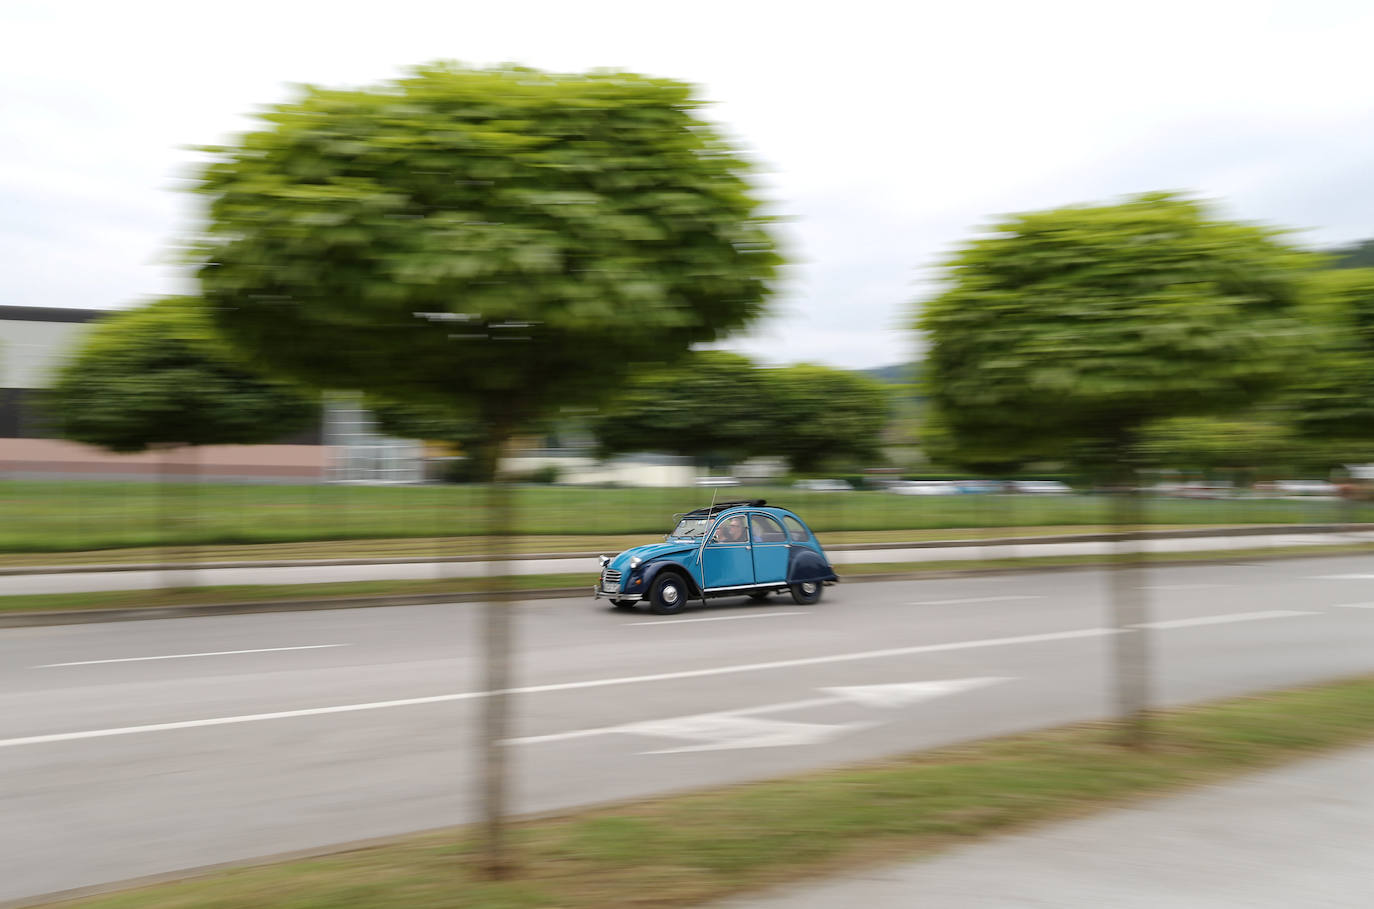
579,468
345,448
357,453
34,342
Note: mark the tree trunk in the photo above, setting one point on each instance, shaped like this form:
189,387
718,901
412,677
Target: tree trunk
178,502
193,514
167,516
496,660
1129,614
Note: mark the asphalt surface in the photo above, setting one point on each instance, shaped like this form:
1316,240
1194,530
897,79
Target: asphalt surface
85,582
139,748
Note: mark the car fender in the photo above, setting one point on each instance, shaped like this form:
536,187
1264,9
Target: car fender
805,564
650,570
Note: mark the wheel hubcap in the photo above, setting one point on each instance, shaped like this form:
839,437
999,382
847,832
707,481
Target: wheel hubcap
808,588
670,594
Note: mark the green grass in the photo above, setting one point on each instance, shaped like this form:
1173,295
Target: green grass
268,593
91,515
684,850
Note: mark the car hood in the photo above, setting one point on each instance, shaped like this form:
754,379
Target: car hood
651,551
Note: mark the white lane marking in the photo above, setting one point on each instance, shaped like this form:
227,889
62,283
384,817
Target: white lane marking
1223,619
186,656
717,618
1184,586
974,600
723,733
732,732
906,693
1341,577
1353,605
568,686
626,727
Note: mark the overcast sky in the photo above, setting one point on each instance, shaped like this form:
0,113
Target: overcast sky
886,132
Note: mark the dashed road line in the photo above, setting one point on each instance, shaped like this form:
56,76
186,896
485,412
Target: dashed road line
717,618
1224,619
999,599
187,656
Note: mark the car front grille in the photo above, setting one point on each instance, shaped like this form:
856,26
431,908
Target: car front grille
610,579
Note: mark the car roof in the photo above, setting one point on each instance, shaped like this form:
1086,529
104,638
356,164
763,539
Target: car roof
720,507
723,507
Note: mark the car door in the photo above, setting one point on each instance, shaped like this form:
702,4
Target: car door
727,562
770,549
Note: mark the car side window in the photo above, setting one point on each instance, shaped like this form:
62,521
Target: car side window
796,530
767,530
732,530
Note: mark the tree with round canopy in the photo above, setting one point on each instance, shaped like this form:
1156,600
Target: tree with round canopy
1063,333
500,243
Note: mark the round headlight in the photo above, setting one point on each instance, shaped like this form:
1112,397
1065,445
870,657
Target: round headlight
634,562
605,560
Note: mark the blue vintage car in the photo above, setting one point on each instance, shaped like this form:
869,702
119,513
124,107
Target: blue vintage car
730,549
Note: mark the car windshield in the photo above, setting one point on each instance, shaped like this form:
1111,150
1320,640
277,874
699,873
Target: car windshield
690,527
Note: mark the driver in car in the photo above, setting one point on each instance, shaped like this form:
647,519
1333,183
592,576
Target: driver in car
732,531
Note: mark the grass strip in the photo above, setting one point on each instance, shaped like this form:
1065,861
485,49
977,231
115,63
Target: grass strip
45,516
267,593
683,850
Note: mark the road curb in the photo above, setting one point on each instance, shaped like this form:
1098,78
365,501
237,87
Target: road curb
200,610
147,613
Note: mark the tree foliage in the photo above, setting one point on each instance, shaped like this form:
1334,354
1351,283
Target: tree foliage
821,414
1208,443
721,407
430,422
712,405
503,242
1063,332
158,375
1332,396
941,447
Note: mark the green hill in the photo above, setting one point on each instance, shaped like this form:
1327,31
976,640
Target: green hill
897,374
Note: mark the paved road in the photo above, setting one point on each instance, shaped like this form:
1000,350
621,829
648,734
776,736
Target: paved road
81,582
136,748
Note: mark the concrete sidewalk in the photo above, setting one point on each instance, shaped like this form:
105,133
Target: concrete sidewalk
1297,836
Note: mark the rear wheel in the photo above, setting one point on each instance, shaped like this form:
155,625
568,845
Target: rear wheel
806,592
668,596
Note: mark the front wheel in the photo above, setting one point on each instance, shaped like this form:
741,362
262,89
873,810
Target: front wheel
806,593
668,596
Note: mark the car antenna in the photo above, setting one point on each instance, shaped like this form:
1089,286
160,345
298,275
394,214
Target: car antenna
702,548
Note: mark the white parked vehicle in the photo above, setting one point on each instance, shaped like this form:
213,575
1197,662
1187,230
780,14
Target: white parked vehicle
1194,490
823,485
925,488
1299,488
1040,487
